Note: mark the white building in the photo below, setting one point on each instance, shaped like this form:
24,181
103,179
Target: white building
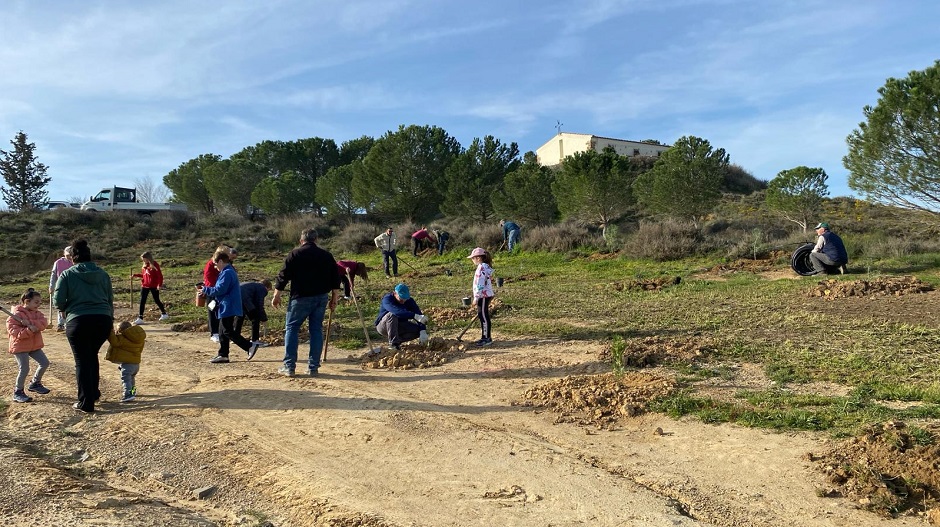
565,144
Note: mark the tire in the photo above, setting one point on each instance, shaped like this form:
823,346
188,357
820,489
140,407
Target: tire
800,260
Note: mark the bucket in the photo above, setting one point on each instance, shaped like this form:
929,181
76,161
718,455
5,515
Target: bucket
200,300
499,282
466,301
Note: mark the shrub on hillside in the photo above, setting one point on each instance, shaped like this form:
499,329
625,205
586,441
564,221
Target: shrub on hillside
172,222
562,237
485,235
355,238
666,240
289,228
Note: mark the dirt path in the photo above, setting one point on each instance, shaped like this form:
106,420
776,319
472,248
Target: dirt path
438,446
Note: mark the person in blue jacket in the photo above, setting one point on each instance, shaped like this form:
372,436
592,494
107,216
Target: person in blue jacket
510,234
400,319
829,254
227,294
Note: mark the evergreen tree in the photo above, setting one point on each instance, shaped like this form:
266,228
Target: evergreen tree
526,194
595,186
24,175
471,181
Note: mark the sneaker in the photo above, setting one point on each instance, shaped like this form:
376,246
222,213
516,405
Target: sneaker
396,347
37,387
345,298
252,350
214,338
139,321
287,372
484,342
388,275
21,397
82,410
313,372
260,344
218,359
128,397
164,317
60,328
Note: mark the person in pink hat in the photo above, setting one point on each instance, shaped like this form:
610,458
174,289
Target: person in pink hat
483,292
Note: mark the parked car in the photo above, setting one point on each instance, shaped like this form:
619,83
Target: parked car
52,205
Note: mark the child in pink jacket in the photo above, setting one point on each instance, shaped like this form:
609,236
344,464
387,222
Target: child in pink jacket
25,331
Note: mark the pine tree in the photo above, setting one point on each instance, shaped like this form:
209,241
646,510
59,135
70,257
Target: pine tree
24,175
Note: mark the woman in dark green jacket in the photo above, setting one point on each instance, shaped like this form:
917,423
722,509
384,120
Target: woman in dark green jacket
83,292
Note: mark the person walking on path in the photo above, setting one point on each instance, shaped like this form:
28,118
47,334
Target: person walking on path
63,263
829,253
227,294
126,346
311,271
209,275
387,243
85,295
348,270
400,319
151,280
510,234
253,294
25,331
419,238
483,292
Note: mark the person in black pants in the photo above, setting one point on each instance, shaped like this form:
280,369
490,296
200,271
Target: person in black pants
253,294
83,292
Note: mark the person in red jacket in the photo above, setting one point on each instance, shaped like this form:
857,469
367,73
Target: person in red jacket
348,270
151,280
25,331
420,239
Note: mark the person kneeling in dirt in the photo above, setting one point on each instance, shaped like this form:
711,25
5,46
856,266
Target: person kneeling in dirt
829,255
400,319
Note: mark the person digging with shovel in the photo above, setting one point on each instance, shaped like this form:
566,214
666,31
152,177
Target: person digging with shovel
400,319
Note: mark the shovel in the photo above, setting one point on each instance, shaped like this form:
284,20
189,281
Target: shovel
352,291
326,342
472,320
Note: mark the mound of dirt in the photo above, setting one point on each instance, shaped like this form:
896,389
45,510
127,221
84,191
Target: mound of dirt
883,286
890,469
524,277
761,265
599,400
653,351
413,355
650,284
443,315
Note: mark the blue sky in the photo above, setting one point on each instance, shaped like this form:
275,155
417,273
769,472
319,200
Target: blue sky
113,92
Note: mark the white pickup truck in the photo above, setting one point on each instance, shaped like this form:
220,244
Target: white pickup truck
118,198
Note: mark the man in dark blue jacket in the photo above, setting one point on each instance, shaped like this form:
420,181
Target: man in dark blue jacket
400,319
253,294
829,254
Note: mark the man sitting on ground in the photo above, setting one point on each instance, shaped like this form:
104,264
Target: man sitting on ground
400,319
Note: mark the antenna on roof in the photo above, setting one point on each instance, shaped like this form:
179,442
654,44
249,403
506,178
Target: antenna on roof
558,125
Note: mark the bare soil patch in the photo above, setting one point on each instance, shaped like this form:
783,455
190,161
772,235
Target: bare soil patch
882,286
465,441
647,284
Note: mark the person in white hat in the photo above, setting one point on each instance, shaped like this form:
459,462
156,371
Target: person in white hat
483,292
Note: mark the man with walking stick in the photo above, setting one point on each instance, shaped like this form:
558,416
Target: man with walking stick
311,271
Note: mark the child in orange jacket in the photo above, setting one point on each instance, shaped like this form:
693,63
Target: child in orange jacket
25,331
